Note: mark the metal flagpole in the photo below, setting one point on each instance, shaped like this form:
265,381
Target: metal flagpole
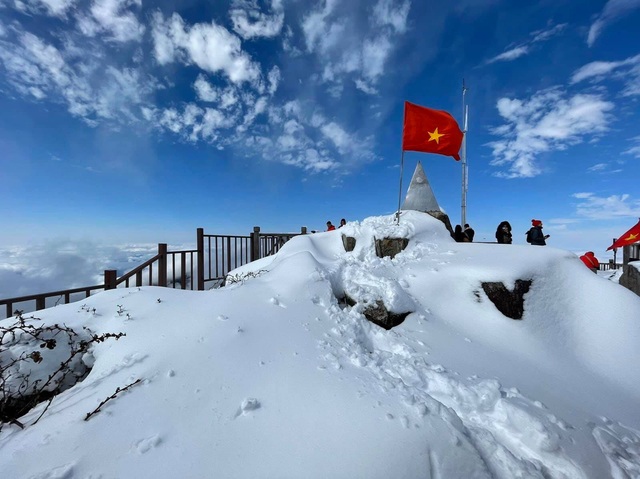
401,168
465,113
400,191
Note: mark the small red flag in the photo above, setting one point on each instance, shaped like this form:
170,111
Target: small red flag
430,131
630,237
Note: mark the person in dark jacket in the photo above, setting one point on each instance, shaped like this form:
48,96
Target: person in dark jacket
590,261
459,235
469,231
503,233
535,236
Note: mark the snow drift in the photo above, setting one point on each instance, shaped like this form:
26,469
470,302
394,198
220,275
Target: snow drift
273,376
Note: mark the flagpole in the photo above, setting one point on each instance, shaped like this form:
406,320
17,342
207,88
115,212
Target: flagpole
401,167
400,191
465,113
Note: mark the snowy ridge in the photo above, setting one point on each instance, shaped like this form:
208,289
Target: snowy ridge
274,377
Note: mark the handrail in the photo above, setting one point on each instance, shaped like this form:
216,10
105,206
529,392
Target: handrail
41,297
138,269
227,256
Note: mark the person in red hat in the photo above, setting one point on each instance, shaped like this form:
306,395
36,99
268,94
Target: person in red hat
535,236
590,261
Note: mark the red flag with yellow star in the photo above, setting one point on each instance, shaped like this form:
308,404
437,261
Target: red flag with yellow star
630,237
430,131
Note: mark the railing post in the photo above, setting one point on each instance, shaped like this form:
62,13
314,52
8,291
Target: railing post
110,278
162,264
200,248
40,303
255,243
303,230
9,308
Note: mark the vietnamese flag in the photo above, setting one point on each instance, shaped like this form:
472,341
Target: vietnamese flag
630,237
430,131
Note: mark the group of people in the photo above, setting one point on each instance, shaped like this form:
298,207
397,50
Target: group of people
535,236
331,227
463,235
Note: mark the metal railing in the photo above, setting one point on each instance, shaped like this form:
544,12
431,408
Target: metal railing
214,257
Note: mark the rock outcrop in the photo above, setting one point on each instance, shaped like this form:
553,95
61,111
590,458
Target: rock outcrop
630,278
509,303
390,246
380,315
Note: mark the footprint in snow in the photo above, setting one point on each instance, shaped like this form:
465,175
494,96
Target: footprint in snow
222,317
276,302
248,405
61,472
146,444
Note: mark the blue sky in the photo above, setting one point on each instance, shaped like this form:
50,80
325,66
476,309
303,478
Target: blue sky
125,120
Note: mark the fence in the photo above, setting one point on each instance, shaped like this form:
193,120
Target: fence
214,257
609,266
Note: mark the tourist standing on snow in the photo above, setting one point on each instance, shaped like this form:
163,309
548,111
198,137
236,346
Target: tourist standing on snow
459,235
469,231
342,223
590,261
535,236
330,226
503,233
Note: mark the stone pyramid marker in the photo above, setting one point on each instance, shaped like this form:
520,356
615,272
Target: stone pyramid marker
420,196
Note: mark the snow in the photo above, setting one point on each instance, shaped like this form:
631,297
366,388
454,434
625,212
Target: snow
274,376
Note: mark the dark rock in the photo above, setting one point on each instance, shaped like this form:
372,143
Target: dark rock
349,243
390,246
509,303
630,278
379,314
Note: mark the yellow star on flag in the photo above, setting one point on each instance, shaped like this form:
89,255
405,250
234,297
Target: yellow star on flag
631,237
435,136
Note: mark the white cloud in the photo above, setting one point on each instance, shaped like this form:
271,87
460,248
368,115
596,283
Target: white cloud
204,90
351,50
228,98
509,55
388,12
365,87
257,108
90,89
548,121
627,70
634,150
306,139
526,47
544,35
111,16
194,123
374,56
337,135
598,167
273,78
209,46
55,8
602,208
97,69
250,22
612,11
